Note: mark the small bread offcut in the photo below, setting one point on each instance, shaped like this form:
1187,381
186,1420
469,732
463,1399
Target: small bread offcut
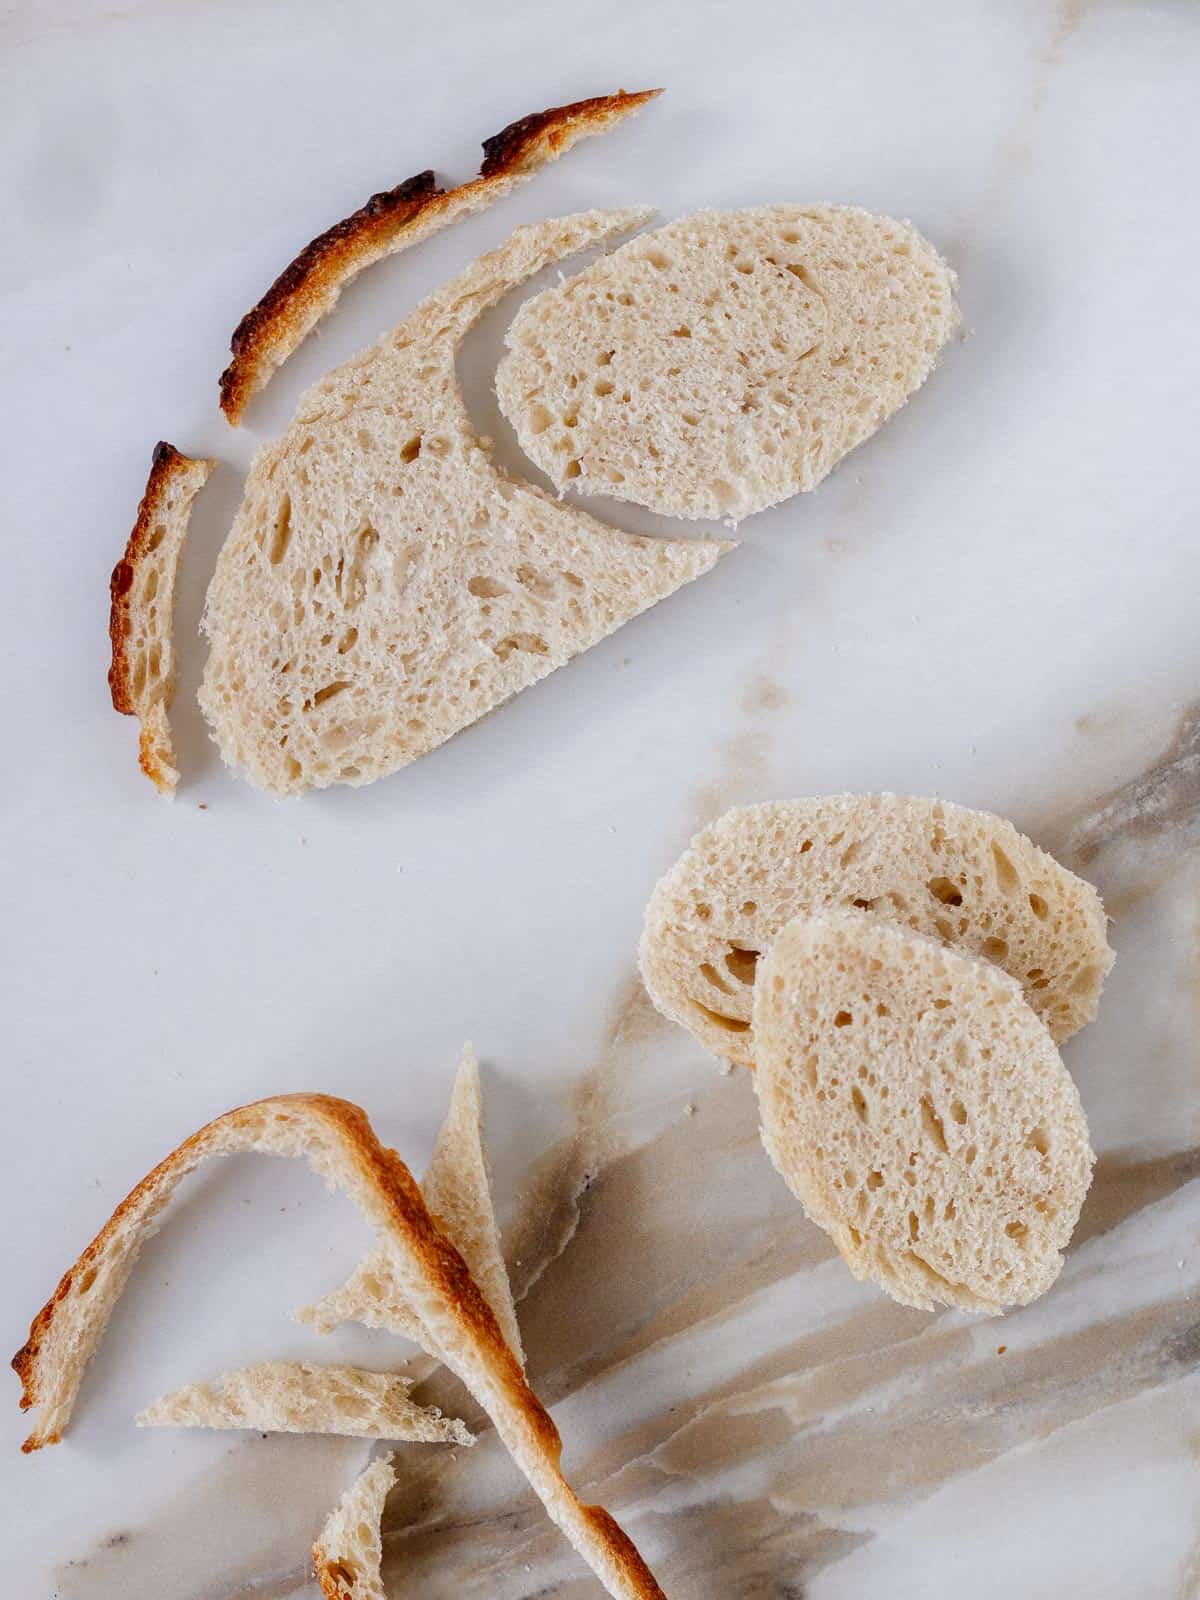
348,1554
728,360
457,1190
301,1397
338,1141
384,585
966,877
392,221
141,613
919,1111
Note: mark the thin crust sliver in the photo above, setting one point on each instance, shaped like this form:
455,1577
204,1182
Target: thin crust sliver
392,221
141,678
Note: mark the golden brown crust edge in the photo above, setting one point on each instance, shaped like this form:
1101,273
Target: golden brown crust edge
308,287
166,465
387,1179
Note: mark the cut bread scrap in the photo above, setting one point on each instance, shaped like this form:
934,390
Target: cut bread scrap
142,608
919,1111
338,1141
300,1397
457,1190
392,221
966,877
384,585
728,360
348,1555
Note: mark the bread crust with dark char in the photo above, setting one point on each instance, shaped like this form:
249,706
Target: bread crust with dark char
391,221
337,1138
170,469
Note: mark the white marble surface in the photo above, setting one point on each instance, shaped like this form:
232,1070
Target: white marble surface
994,600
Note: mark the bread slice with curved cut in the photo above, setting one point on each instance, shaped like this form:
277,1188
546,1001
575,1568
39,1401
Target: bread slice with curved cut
337,1140
966,877
728,360
348,1554
309,288
300,1397
457,1190
141,614
919,1111
384,585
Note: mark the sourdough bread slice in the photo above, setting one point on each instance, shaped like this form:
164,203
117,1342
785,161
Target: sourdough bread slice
141,614
338,1141
457,1190
392,221
384,585
728,360
348,1554
965,877
300,1397
919,1111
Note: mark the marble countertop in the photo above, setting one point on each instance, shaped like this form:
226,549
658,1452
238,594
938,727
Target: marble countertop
994,600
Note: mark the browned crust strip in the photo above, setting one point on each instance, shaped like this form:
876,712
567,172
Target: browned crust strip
340,1141
391,221
166,465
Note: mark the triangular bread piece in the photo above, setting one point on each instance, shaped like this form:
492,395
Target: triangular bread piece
727,360
309,288
348,1554
384,585
966,877
919,1111
142,608
338,1141
299,1397
457,1190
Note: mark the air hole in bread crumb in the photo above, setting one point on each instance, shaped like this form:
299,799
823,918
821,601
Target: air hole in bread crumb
859,1101
969,1157
875,1179
931,1125
88,1279
944,890
806,846
710,973
348,640
720,1020
843,1019
1039,907
704,912
281,533
1016,1230
994,949
531,643
411,450
742,964
573,469
328,692
602,387
1039,1140
914,1227
539,419
958,1111
681,332
1085,979
485,588
1006,874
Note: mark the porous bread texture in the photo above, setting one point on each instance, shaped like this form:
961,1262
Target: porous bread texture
300,1397
309,287
457,1190
384,585
966,877
338,1141
728,360
141,617
919,1111
348,1555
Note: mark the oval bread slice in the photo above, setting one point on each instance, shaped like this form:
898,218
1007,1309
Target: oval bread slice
728,360
966,877
920,1112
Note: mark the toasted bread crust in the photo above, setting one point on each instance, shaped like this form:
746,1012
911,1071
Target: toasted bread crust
169,469
390,221
338,1138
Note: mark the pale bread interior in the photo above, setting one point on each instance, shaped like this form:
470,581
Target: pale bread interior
348,1553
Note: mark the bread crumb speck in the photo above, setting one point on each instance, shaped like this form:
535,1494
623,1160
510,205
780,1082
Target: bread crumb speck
1000,1349
689,1110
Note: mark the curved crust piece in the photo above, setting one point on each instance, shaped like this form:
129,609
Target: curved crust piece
301,1397
142,606
349,1553
391,221
338,1141
457,1190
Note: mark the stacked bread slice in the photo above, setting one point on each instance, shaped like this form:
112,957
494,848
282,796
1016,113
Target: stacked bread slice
899,972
